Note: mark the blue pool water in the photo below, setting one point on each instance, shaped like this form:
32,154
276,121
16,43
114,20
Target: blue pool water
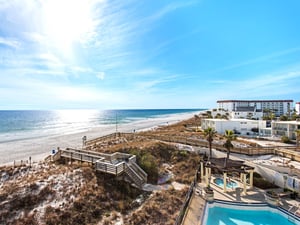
230,184
246,215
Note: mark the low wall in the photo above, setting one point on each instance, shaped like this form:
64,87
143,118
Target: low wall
279,179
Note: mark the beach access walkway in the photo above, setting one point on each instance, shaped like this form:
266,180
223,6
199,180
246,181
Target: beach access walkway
118,164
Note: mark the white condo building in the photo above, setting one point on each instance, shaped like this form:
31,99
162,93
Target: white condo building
285,128
255,108
297,107
239,126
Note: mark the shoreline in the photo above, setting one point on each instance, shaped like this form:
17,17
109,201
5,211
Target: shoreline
40,147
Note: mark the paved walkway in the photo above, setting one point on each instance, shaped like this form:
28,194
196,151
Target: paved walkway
195,211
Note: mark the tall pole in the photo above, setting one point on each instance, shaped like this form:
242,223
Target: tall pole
116,123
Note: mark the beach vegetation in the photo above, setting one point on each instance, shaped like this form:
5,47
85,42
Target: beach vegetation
283,118
285,139
218,116
260,182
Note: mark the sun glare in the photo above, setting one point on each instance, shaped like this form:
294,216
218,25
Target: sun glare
67,22
76,116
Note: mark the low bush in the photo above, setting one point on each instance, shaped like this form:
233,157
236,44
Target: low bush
262,183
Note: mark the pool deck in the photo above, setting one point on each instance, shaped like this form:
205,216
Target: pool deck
195,210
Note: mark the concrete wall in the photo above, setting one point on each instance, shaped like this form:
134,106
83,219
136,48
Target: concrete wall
277,178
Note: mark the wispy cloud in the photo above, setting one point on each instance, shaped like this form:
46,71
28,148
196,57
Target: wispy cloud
170,8
149,84
260,59
265,85
9,42
100,75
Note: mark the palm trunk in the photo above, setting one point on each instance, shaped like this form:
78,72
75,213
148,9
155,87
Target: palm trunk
210,151
227,157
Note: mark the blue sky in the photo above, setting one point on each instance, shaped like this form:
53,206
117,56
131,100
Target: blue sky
108,54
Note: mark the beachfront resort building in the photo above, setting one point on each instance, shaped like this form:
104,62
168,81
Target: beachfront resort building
255,109
239,126
285,128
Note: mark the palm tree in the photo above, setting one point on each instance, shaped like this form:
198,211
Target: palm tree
229,135
209,134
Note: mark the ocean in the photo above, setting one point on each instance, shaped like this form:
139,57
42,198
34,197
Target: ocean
16,125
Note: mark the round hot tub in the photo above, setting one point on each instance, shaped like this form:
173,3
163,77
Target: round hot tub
229,184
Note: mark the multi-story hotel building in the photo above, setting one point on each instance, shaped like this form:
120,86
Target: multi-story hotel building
278,107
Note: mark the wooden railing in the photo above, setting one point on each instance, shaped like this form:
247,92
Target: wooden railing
108,137
115,169
139,171
249,150
116,163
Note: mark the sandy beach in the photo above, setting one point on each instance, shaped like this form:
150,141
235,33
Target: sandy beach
39,148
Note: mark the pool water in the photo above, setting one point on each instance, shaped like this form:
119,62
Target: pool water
246,216
230,184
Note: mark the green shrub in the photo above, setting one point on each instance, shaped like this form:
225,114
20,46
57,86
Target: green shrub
285,139
149,164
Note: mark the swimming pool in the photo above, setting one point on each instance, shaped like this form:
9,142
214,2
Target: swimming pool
239,214
229,184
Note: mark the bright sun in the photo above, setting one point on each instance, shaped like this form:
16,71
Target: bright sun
67,22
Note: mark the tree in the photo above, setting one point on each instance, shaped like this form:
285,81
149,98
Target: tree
266,113
283,118
229,136
285,139
209,134
272,116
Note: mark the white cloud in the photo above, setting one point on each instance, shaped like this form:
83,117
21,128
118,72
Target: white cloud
100,75
147,85
170,8
10,42
284,83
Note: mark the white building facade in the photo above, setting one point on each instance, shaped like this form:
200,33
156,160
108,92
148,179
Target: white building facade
239,126
285,128
255,108
297,107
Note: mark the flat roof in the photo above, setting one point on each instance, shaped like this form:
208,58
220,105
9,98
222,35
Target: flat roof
287,122
225,101
232,120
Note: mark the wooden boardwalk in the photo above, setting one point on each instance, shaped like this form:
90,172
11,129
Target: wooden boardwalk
117,163
289,152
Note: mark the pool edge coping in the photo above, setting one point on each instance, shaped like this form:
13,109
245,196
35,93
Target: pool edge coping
251,204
